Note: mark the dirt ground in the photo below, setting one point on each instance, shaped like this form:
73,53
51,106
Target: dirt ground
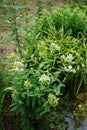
6,28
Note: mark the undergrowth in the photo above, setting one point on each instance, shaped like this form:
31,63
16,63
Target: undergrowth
49,68
52,64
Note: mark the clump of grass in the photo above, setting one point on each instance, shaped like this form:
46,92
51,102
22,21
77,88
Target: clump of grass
66,18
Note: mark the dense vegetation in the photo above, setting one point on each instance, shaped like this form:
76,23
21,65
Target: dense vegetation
49,71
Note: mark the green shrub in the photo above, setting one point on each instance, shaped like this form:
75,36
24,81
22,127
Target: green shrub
49,69
35,89
71,19
50,66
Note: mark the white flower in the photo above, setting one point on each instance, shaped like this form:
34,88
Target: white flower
69,69
17,63
55,46
18,69
62,57
67,58
70,57
44,77
83,65
18,66
21,70
74,71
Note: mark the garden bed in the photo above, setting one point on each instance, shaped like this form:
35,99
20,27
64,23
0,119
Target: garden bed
48,70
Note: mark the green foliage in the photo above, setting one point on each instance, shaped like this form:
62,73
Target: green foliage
53,63
53,121
39,5
48,67
2,94
4,80
80,1
64,55
71,19
34,90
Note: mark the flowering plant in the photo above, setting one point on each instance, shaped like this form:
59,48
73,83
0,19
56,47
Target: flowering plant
51,65
38,80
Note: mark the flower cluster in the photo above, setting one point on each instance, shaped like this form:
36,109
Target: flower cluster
68,58
44,77
18,66
53,100
27,83
69,69
54,47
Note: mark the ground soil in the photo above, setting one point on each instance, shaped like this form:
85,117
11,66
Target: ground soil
6,29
